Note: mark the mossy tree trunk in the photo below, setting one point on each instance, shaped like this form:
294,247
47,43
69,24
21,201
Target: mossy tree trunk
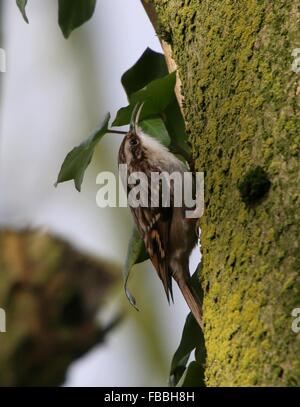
241,105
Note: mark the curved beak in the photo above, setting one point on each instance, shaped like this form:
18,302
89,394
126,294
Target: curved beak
134,121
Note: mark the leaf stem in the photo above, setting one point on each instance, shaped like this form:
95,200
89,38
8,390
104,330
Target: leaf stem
116,131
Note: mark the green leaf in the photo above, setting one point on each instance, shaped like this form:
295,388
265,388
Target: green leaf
77,161
73,13
151,65
176,128
196,283
191,337
157,95
193,376
157,129
136,253
22,5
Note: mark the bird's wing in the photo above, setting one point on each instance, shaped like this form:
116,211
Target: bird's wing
154,224
154,229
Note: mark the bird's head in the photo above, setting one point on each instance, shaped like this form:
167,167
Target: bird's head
142,152
132,149
139,149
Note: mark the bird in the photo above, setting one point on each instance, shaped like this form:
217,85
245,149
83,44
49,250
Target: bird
169,236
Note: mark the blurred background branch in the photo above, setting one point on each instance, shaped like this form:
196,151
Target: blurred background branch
51,293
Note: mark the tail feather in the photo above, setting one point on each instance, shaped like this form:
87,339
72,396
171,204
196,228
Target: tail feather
192,301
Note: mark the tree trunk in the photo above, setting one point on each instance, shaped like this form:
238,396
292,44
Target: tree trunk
241,106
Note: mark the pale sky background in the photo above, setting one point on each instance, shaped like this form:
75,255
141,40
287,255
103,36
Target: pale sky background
51,100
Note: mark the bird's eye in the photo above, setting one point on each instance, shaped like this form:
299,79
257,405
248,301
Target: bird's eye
133,142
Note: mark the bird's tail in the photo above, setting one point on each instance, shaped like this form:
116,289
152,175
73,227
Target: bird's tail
192,301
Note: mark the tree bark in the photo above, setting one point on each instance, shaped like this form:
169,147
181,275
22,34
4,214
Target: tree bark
241,105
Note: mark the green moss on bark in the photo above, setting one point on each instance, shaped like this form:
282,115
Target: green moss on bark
241,104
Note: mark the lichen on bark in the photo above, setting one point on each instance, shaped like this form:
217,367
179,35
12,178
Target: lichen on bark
241,105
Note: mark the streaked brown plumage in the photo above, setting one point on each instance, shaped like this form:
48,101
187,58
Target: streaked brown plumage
169,237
